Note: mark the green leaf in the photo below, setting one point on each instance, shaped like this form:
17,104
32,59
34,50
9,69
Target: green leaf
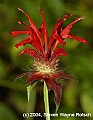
29,88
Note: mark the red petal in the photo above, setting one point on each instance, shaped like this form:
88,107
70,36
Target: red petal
78,39
61,75
26,41
57,37
58,26
59,52
56,75
43,28
48,83
23,74
30,51
66,31
33,26
24,24
32,39
55,45
57,88
36,76
58,93
14,33
66,76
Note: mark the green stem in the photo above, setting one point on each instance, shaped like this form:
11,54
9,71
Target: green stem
46,102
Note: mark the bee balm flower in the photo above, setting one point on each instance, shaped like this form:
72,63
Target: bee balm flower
46,52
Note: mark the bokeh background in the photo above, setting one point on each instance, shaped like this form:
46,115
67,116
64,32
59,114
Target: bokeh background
77,93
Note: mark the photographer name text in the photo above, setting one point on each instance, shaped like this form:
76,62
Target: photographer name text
67,115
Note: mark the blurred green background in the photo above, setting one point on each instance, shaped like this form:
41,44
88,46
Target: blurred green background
78,93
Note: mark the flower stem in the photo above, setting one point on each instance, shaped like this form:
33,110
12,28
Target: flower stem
46,101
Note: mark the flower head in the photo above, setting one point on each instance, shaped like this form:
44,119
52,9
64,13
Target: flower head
46,52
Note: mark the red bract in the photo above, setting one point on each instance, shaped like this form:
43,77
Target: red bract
46,53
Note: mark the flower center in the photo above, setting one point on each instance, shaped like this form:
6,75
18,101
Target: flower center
44,68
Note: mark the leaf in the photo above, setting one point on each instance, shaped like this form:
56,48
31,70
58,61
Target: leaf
29,88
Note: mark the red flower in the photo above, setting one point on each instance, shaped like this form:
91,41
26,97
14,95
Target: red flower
46,52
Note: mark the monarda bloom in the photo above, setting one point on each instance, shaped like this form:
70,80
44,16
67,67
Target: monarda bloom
46,52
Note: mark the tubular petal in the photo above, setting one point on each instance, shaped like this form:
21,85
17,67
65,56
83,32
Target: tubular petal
78,39
14,33
66,76
61,41
43,29
61,75
30,51
23,74
30,40
59,25
33,26
56,75
59,52
26,41
55,45
66,31
58,28
23,23
34,77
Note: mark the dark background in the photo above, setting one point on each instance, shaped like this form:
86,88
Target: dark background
77,93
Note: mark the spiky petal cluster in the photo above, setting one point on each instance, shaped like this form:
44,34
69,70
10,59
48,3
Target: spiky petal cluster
46,52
